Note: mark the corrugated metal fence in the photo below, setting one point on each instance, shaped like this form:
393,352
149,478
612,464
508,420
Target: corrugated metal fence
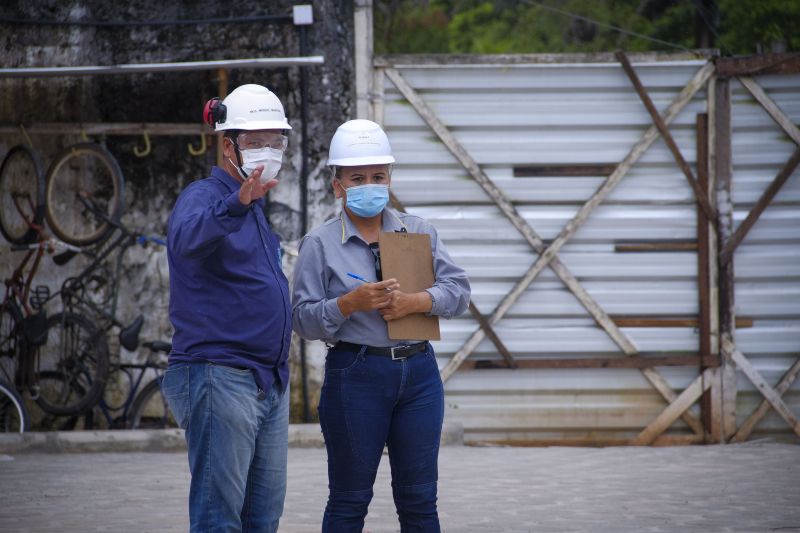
548,135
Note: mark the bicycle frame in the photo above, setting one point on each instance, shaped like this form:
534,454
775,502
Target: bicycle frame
120,244
121,421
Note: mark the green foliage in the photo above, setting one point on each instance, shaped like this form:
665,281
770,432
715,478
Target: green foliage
756,26
507,26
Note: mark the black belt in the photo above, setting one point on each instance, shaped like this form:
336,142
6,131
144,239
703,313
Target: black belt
395,352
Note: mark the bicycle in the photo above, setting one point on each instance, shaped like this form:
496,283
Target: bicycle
22,187
14,416
83,171
32,344
145,409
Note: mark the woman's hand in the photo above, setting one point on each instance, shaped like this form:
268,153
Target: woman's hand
251,190
368,296
402,304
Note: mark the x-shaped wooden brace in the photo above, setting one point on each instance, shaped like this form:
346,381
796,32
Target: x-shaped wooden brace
783,175
547,255
772,396
488,329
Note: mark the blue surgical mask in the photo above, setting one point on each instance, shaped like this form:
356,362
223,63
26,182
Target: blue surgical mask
367,200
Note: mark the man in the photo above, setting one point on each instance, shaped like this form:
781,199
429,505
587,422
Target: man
228,378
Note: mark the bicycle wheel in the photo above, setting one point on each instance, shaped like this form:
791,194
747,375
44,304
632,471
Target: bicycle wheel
51,379
77,350
13,414
150,410
83,173
10,339
21,195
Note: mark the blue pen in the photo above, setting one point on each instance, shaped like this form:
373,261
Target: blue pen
359,278
356,276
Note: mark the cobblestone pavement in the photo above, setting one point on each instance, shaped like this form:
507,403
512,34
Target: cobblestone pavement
751,487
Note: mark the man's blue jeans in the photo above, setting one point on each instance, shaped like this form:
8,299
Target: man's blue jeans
367,402
237,446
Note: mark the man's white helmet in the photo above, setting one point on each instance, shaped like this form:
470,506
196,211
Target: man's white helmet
253,107
359,142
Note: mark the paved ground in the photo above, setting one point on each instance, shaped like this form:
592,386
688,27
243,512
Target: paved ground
752,487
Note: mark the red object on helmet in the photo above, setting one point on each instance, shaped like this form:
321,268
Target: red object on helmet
214,111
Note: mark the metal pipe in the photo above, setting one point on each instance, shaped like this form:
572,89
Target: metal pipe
304,201
258,62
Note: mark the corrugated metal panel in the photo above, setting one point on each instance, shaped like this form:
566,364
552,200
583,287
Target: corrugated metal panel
755,295
570,114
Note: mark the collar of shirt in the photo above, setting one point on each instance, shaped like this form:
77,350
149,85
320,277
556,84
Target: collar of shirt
390,221
230,182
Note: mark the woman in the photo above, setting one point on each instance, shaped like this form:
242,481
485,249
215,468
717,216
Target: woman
377,391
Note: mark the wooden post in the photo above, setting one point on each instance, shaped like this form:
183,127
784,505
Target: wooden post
724,173
703,284
376,102
222,92
714,375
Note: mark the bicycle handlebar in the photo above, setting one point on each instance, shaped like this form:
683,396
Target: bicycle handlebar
140,239
143,239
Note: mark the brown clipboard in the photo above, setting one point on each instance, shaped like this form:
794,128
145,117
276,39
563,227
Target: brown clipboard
407,257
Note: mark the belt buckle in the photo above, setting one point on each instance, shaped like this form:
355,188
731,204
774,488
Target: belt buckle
399,357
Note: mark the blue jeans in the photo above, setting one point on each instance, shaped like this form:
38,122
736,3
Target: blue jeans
237,446
367,402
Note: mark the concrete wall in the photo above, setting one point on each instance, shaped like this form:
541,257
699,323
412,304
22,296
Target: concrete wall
153,182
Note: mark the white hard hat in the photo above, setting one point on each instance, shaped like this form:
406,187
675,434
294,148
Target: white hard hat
359,142
253,107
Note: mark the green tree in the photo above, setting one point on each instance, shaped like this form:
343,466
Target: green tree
525,26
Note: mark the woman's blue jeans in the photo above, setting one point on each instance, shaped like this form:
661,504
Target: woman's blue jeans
367,402
237,437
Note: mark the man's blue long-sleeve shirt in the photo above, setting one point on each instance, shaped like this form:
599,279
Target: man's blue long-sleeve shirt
229,299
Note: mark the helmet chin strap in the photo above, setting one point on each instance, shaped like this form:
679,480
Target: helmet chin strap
238,152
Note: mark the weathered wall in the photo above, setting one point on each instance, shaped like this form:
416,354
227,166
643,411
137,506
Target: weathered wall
153,182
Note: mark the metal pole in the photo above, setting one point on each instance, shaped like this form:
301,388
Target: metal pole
304,202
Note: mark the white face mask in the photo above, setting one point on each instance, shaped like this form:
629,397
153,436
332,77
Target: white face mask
269,157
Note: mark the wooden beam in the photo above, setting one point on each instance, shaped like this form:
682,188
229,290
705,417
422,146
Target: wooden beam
763,202
783,385
771,108
669,415
508,209
562,171
647,139
634,361
672,322
699,194
763,387
714,430
447,60
485,326
548,256
666,246
377,100
703,260
685,96
723,175
109,128
758,64
489,331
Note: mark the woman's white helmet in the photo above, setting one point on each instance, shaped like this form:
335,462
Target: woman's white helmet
359,142
253,107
